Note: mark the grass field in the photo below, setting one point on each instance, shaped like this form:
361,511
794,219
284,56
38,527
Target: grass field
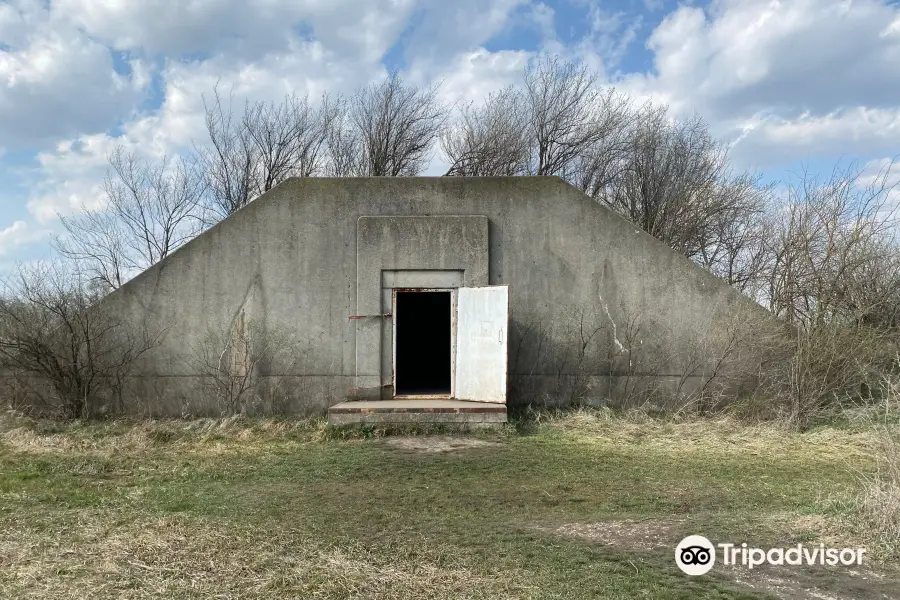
580,506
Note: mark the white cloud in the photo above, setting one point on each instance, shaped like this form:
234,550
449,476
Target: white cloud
755,54
767,140
304,68
544,18
447,29
19,19
73,170
792,72
141,73
350,40
251,52
246,28
471,76
18,234
71,177
64,197
55,81
611,34
58,76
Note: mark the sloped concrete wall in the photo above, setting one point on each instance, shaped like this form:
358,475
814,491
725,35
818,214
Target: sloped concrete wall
598,308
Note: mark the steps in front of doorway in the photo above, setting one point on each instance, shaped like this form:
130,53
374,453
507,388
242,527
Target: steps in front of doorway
416,410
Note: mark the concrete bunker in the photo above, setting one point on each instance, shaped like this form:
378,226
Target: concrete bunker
552,298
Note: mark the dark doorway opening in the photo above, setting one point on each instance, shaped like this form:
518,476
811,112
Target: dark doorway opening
422,351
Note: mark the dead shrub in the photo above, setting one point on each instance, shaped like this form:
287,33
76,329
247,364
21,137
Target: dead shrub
61,347
833,275
878,504
234,361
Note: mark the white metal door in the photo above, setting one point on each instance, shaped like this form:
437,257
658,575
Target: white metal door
482,321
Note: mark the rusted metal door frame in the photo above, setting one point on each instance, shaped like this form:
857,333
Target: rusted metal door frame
453,295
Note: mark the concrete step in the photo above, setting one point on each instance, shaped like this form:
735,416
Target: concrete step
416,410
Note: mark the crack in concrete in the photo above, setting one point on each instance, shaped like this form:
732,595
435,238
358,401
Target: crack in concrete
619,345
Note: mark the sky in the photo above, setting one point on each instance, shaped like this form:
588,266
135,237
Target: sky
790,85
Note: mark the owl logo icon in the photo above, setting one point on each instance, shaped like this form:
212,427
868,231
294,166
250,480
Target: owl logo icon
695,555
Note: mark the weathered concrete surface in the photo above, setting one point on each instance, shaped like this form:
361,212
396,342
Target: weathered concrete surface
416,411
290,261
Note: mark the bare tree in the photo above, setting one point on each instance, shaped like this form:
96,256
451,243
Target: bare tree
96,239
229,163
669,182
346,156
561,122
602,162
269,143
832,275
148,210
675,183
735,245
490,139
393,126
289,138
670,177
569,115
836,250
58,338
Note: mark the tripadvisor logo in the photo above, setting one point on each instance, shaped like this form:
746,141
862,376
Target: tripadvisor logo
696,555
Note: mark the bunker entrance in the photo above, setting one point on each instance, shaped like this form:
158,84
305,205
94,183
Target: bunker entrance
422,343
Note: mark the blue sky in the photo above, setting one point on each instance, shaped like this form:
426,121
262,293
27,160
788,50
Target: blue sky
786,82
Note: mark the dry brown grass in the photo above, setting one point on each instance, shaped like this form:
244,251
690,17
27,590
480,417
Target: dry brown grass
438,443
21,434
647,534
97,555
879,499
719,435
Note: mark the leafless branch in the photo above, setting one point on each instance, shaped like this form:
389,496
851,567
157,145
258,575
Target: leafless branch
491,139
148,210
395,126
